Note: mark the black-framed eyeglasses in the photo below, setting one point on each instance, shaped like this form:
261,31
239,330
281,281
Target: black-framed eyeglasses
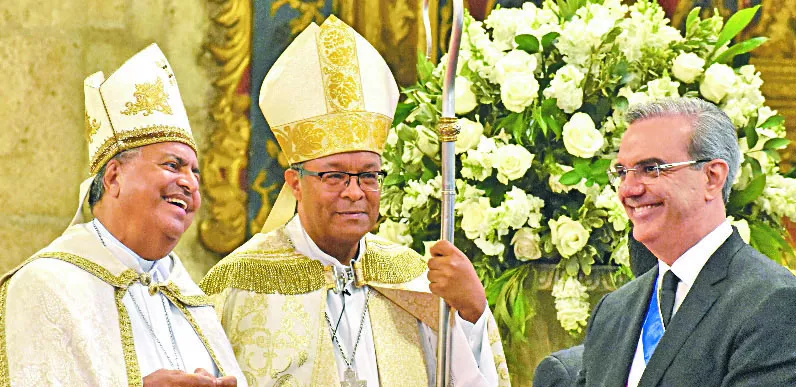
647,172
338,180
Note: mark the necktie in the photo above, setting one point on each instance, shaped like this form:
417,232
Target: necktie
668,290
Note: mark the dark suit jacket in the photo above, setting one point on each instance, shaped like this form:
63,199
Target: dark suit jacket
736,327
559,369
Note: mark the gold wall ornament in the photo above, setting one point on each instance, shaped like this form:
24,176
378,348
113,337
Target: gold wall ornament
149,97
265,194
223,226
309,11
92,126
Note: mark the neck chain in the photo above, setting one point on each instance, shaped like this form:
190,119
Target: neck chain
333,330
177,363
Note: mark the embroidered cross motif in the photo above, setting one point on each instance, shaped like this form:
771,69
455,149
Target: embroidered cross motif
149,97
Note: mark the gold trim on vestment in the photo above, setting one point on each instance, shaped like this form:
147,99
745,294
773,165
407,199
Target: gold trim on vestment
128,344
282,270
135,138
199,333
5,373
399,353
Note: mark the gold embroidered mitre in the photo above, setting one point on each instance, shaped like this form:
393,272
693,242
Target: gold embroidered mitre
330,92
139,104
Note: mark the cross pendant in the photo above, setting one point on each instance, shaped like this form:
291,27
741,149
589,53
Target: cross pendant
350,379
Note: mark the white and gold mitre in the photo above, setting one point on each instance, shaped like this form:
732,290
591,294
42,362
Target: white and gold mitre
330,92
139,104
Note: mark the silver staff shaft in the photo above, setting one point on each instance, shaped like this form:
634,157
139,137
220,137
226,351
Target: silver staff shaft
448,129
427,28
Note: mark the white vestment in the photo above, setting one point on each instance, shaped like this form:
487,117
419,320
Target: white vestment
68,317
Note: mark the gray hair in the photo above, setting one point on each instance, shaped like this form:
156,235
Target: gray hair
97,189
713,137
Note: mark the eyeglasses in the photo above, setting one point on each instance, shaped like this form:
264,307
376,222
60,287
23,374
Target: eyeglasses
370,181
647,172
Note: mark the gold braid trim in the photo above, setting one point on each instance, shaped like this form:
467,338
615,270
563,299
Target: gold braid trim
5,373
388,263
198,330
282,270
172,291
122,281
289,273
128,345
130,139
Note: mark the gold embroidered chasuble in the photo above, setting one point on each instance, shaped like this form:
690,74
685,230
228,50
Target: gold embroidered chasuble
62,320
271,302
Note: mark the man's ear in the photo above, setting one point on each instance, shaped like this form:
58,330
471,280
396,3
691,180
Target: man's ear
112,180
716,172
292,180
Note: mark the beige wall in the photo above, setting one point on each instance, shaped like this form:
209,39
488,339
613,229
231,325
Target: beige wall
46,49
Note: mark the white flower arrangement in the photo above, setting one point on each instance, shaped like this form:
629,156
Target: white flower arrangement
540,97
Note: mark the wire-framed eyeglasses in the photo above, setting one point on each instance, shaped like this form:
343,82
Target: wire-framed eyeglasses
370,181
647,172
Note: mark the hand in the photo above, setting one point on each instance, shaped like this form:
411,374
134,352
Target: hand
200,378
453,278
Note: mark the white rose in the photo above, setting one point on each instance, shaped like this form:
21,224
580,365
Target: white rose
743,228
719,79
464,98
519,92
490,248
662,87
687,66
526,245
427,141
392,138
515,62
568,235
512,161
475,218
581,138
411,154
395,232
470,135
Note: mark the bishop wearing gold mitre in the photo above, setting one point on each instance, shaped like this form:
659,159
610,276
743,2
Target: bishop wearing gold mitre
108,303
315,299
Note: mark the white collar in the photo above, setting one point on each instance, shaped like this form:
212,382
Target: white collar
159,269
688,265
306,246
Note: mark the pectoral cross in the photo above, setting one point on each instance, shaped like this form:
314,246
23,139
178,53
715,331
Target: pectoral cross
350,379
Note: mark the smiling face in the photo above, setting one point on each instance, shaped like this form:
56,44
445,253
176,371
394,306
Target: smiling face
157,192
336,220
674,211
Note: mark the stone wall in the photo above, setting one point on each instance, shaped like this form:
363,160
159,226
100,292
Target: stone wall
46,50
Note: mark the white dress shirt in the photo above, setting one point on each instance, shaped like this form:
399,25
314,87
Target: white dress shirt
190,352
686,268
475,367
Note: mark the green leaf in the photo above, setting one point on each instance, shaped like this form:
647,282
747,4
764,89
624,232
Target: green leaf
393,179
776,143
756,168
773,121
768,240
737,22
581,165
739,199
740,48
773,154
527,43
401,112
693,16
572,267
424,67
751,134
548,40
570,178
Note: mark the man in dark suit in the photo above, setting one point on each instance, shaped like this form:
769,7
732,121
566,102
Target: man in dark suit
714,312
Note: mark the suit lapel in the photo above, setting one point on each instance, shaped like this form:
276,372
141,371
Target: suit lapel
696,305
636,308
